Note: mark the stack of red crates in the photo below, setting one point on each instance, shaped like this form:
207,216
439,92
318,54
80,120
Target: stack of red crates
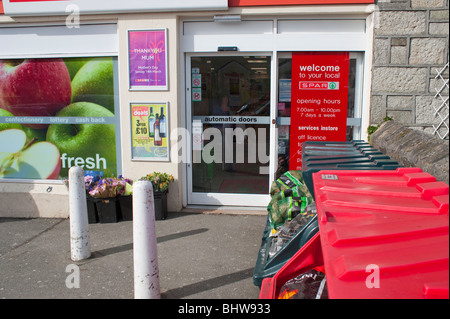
383,235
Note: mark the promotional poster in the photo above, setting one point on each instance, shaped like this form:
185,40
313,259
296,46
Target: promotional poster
150,131
148,59
55,114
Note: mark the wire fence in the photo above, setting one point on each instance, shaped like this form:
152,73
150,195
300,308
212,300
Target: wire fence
442,110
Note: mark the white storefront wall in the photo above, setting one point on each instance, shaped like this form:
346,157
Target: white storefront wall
265,29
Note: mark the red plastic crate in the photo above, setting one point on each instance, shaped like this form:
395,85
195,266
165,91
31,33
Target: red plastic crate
383,235
386,227
307,258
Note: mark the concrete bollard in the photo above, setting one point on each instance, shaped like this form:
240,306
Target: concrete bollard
145,255
79,227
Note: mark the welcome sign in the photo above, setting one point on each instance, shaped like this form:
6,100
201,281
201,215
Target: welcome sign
319,97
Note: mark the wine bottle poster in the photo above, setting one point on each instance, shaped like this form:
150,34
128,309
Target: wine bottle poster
150,131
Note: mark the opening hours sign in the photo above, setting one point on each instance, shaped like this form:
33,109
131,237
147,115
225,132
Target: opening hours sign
319,98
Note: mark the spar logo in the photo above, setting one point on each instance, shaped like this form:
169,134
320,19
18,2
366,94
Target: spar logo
318,85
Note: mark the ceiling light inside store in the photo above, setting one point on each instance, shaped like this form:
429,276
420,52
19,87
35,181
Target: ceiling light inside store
259,70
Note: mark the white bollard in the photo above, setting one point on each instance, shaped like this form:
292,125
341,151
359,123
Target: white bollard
145,255
79,227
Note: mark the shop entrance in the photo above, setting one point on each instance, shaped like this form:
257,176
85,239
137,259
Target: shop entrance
249,60
229,111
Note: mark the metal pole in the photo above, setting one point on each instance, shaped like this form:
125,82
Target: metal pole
79,228
145,255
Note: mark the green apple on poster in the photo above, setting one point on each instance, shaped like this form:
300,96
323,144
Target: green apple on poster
4,126
94,82
74,64
39,134
89,145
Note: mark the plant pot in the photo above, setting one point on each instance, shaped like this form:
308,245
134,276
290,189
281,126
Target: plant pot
108,210
92,210
160,199
126,207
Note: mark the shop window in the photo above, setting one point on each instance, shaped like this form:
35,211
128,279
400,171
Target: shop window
284,107
56,113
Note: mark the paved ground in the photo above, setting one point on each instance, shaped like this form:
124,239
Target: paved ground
199,256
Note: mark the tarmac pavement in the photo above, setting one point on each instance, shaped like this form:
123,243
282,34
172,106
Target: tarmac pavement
200,256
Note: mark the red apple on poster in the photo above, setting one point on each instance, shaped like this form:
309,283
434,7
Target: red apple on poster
34,87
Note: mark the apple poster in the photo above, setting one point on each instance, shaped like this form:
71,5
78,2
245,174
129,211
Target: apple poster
55,114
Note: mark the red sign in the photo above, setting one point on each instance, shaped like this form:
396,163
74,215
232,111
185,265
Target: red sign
245,3
140,111
319,95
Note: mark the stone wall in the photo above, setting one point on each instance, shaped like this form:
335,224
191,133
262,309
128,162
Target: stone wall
412,148
411,41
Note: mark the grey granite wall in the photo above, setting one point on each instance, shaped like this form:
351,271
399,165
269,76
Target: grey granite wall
413,148
411,42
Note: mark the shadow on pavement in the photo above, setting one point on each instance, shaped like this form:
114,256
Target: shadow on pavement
125,247
208,284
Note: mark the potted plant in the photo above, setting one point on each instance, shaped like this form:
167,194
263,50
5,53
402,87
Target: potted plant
126,200
160,182
89,182
104,193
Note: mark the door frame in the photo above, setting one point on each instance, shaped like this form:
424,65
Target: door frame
206,36
229,199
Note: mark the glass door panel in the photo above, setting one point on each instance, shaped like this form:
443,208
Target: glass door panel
284,105
230,114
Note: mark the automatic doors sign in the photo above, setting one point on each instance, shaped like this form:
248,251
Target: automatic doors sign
319,95
150,131
233,119
147,52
